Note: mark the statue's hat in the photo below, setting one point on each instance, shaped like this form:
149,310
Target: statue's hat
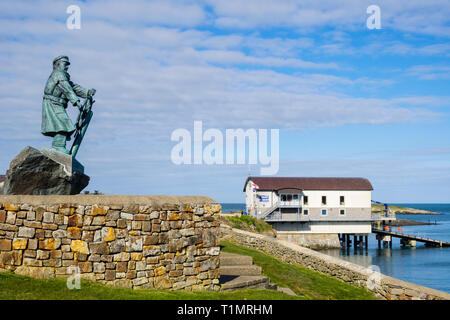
64,58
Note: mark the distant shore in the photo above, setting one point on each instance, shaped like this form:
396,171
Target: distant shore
377,208
406,222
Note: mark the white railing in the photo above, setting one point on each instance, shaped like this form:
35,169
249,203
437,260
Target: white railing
289,203
279,204
264,212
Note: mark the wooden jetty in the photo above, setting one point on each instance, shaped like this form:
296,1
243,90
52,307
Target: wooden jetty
406,238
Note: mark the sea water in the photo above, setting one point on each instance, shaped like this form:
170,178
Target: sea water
426,266
228,207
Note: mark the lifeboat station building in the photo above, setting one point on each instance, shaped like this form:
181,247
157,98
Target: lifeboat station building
301,206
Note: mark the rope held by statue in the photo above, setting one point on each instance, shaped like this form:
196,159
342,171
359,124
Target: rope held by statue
83,120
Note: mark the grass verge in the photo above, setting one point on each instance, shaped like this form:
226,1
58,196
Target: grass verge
306,283
248,223
16,287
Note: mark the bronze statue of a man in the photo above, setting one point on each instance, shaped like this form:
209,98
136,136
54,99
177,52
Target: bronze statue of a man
58,91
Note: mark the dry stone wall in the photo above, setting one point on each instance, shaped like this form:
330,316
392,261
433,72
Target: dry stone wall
383,286
160,242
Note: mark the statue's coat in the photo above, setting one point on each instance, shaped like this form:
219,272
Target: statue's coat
58,91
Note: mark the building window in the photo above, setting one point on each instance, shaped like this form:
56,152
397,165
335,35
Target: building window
295,197
342,212
283,197
305,200
324,200
342,200
324,212
305,212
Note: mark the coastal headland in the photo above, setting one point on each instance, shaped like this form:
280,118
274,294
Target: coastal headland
377,208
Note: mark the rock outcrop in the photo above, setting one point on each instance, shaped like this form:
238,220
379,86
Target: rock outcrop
45,172
2,182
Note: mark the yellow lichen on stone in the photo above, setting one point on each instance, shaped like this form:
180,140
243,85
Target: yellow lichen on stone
11,207
20,244
160,271
136,256
125,256
74,232
98,211
50,244
79,246
217,208
109,235
174,216
122,257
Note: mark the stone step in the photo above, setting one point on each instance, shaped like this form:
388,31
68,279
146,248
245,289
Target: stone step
286,291
241,270
229,283
231,259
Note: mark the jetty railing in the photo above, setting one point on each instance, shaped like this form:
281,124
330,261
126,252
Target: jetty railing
401,235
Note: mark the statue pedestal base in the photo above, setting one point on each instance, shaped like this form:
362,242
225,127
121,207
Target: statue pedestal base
70,164
45,172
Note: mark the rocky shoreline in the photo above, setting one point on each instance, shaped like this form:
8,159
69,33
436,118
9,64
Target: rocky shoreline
402,210
405,211
406,222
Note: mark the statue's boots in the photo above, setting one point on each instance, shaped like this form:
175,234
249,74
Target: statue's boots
59,143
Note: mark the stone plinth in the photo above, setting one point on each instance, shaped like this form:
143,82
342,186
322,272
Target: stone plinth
45,172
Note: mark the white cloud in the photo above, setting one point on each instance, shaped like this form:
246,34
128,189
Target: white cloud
134,12
158,66
429,17
429,72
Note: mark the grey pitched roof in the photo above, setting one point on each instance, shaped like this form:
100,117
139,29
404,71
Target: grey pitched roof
310,183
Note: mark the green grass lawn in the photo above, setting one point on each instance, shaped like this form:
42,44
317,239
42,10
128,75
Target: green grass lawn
16,287
308,284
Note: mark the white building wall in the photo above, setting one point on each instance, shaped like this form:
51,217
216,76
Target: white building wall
358,202
248,197
353,199
324,227
252,198
269,197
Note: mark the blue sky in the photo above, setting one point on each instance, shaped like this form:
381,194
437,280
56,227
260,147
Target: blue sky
348,101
